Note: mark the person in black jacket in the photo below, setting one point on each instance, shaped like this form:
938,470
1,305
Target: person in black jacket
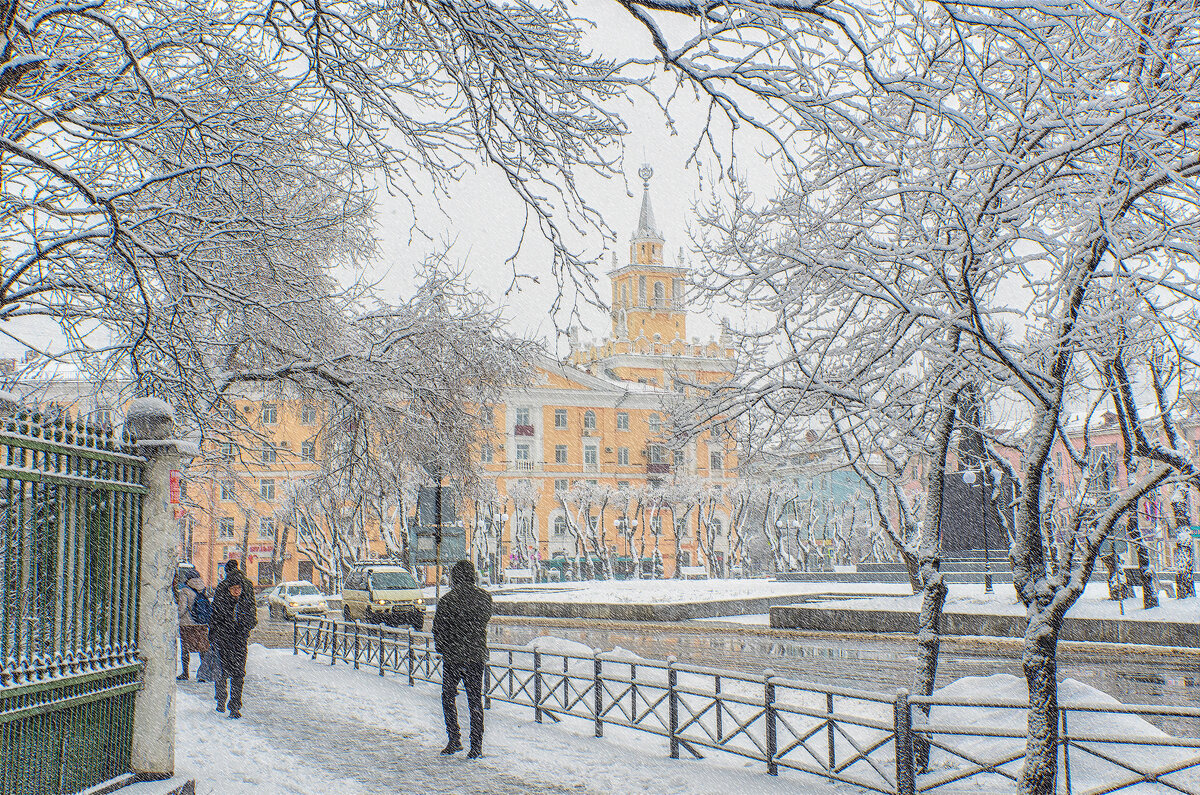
460,636
233,616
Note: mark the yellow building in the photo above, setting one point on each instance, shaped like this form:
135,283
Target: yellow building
575,465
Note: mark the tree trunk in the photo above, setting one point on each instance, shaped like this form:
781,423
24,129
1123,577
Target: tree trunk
1145,574
929,641
1040,772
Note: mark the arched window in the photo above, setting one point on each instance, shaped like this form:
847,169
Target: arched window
589,420
660,294
624,294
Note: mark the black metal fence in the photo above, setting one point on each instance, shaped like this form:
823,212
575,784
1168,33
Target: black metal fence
70,520
849,736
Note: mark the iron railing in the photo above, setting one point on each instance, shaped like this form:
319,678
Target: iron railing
849,736
836,733
70,522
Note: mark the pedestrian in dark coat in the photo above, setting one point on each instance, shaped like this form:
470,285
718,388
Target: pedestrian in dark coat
233,616
460,636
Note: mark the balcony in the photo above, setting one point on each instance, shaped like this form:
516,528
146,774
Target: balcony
526,466
522,430
658,469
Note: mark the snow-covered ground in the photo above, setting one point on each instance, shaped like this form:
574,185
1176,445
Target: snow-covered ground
309,727
313,728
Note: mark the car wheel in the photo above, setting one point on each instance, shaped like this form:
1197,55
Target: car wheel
273,612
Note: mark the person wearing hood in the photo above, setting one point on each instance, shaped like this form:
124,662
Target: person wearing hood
233,616
193,636
460,636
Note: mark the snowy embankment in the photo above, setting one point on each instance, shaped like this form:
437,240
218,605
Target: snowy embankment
673,591
970,598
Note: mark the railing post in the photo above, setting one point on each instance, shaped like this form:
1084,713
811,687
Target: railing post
717,704
356,645
409,656
333,630
598,691
829,730
673,708
379,659
769,705
487,684
317,640
296,636
902,726
537,686
1066,745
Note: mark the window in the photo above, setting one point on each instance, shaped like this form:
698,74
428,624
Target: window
560,484
225,530
677,293
308,450
226,490
560,526
624,294
641,291
658,454
268,453
487,416
485,454
677,457
522,417
270,414
656,525
308,414
266,527
655,423
589,420
183,489
560,418
591,456
523,452
560,454
622,485
681,527
227,450
593,522
660,294
716,460
623,456
266,488
622,420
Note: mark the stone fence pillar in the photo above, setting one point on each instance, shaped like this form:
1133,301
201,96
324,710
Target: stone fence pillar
152,424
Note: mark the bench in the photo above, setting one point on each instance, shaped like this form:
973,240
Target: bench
518,575
693,573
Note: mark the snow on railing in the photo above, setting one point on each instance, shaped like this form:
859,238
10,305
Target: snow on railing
850,736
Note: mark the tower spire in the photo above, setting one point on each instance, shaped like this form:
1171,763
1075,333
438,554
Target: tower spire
646,228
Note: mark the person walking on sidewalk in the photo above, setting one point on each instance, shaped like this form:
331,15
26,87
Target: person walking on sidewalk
233,616
193,634
460,637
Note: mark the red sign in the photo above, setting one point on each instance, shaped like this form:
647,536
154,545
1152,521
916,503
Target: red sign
175,486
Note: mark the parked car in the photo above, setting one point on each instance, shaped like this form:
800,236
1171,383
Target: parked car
383,593
290,599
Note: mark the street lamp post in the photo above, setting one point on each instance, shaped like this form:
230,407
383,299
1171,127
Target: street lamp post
969,478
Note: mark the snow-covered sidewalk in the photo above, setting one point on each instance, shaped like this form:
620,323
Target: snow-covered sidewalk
312,728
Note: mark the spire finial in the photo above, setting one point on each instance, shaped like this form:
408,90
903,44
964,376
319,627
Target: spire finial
645,172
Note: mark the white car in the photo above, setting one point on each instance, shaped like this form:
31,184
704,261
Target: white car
289,599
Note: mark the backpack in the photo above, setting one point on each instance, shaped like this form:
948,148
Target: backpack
201,608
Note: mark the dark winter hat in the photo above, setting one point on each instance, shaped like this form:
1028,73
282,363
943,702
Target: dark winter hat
231,568
462,573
